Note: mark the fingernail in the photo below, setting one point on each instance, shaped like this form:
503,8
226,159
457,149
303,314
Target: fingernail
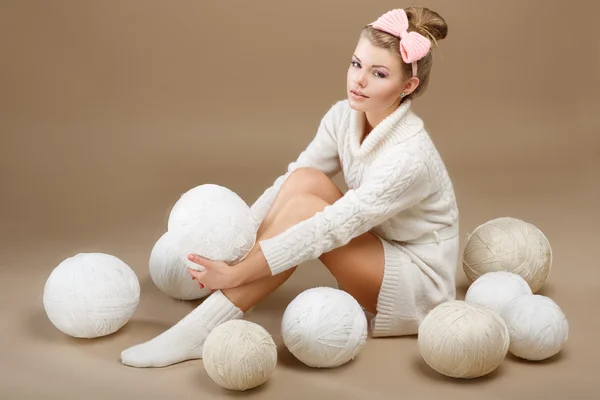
190,256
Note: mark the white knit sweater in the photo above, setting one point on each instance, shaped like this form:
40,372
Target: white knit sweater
398,186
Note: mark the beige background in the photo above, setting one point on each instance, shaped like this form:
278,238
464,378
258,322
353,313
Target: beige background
110,110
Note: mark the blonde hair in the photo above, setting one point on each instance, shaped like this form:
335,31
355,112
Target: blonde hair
424,21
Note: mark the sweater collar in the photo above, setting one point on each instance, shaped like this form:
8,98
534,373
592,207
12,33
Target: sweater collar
393,128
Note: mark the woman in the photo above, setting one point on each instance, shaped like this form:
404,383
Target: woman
391,241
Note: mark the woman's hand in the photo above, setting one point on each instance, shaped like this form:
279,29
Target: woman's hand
216,275
220,275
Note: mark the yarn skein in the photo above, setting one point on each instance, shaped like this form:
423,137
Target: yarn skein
324,327
197,201
213,222
90,295
508,244
463,340
169,273
217,236
495,289
537,326
239,355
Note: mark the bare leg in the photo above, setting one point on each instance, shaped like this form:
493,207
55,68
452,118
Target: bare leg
295,210
283,214
301,181
358,266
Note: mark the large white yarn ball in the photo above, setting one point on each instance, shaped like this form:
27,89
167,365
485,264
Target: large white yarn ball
324,327
463,340
239,355
219,237
90,295
537,326
508,244
495,289
193,205
169,272
213,222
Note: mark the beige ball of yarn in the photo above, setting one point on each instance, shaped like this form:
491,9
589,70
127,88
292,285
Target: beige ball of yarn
239,355
495,289
324,327
463,340
537,326
169,272
508,244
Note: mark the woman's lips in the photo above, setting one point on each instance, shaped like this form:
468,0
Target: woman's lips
358,95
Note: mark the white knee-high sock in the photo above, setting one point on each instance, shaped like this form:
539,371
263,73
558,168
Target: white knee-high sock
184,341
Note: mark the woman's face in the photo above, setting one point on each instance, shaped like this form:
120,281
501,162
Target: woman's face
375,81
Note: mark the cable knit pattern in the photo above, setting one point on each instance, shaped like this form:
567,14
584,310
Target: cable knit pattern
385,192
398,187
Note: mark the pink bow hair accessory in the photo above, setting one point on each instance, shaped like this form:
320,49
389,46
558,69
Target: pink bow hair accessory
413,45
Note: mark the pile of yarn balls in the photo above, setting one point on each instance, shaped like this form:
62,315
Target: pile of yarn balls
91,295
507,261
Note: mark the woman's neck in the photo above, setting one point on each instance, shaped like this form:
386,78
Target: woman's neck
374,118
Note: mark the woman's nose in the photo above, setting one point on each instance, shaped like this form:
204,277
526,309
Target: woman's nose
360,80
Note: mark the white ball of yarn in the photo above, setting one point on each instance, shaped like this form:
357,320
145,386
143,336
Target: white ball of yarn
463,340
239,355
90,295
537,326
495,289
324,327
213,222
508,244
218,236
196,202
169,272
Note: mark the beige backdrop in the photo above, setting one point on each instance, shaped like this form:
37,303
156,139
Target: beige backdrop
110,110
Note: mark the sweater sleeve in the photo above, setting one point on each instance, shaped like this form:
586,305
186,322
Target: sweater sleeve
398,181
321,153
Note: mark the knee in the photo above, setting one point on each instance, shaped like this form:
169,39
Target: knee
307,180
302,180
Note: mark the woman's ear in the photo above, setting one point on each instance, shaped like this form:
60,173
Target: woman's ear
410,85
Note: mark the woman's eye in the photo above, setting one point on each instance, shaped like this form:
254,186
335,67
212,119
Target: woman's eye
379,75
356,64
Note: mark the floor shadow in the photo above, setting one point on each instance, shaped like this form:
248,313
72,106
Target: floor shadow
287,360
397,339
150,291
420,366
39,327
461,290
204,382
278,300
548,361
148,288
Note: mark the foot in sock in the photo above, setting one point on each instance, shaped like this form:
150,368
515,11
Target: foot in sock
184,341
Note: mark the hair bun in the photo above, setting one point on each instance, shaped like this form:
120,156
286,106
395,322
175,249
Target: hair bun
427,22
